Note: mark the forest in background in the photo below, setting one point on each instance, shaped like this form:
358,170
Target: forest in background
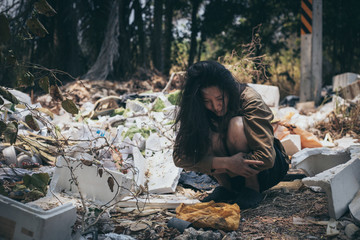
124,39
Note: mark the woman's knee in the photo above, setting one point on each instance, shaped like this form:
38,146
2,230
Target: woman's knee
237,141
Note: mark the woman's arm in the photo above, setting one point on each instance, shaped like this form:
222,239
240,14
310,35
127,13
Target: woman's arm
236,164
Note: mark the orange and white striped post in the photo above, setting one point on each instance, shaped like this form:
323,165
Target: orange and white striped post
311,51
306,17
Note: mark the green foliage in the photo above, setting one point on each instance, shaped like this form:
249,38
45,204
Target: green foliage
43,7
119,111
14,72
8,96
145,132
70,106
31,122
174,97
37,181
180,51
10,132
159,105
44,84
285,69
36,27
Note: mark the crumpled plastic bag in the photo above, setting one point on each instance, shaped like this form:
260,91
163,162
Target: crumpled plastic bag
221,216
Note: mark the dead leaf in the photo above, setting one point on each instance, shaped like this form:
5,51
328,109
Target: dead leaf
138,226
36,27
8,96
43,7
100,171
2,127
10,132
11,59
117,157
70,106
46,111
31,122
26,80
111,183
86,162
56,94
44,84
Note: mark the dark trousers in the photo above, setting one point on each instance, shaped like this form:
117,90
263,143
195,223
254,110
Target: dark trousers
269,177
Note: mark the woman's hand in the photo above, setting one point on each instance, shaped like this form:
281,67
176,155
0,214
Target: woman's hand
243,167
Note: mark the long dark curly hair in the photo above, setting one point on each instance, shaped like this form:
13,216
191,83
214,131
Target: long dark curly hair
193,121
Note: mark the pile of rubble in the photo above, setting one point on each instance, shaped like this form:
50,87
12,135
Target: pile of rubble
117,154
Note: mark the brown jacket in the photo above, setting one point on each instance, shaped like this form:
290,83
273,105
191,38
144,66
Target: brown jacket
258,130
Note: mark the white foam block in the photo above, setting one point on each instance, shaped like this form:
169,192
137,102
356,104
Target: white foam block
94,182
20,221
270,94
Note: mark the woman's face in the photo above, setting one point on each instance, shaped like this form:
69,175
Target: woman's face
215,100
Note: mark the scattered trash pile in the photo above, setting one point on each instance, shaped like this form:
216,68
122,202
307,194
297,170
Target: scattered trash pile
116,153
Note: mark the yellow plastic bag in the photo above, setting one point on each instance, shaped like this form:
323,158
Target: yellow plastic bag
210,214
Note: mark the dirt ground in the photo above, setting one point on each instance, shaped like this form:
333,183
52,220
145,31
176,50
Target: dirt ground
277,217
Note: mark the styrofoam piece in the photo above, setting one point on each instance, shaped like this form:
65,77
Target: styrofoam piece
156,143
139,141
302,121
346,142
317,160
305,106
22,97
116,236
136,106
340,184
10,155
354,208
140,166
158,116
291,143
344,79
169,201
284,113
94,185
170,112
157,171
351,91
163,174
153,143
331,228
20,221
79,151
270,94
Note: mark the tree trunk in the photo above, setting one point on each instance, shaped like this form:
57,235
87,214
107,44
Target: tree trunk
68,52
169,10
125,67
157,35
141,33
104,64
194,31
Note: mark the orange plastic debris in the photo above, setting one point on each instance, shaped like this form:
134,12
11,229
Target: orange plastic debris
221,216
280,131
308,140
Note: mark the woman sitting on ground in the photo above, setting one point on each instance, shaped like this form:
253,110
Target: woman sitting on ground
225,131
